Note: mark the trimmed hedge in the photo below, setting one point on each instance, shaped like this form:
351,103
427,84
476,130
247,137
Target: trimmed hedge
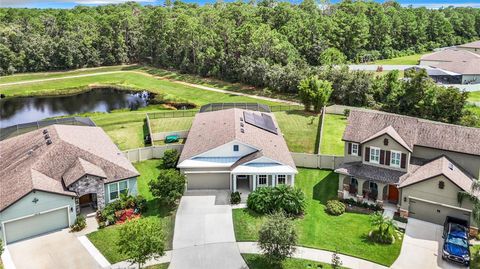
281,198
335,207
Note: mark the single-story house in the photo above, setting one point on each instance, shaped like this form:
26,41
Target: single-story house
48,175
236,149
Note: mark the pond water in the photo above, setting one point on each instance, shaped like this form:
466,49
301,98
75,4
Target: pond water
18,110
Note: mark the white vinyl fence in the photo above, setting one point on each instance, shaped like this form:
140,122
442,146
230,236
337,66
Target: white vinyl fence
153,152
316,160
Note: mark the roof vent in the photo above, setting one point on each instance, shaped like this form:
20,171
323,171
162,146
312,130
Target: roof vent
242,130
49,141
450,166
47,136
241,124
241,118
45,131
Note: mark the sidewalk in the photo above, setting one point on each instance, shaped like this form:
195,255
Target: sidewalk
126,265
316,255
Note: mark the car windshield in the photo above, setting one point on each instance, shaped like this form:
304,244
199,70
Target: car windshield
457,241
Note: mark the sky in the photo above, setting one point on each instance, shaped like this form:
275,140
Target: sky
73,3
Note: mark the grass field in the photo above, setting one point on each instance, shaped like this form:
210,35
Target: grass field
333,129
158,266
475,257
474,96
255,261
300,130
105,239
317,229
171,124
405,60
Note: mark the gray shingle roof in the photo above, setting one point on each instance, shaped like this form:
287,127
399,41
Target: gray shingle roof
474,44
450,55
414,131
80,168
27,163
370,172
213,129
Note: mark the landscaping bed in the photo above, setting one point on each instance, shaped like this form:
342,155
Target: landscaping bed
255,261
105,239
332,133
317,229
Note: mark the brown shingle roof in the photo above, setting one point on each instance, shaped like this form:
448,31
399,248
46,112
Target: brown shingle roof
27,163
471,67
414,131
389,130
370,172
450,55
213,129
80,168
474,45
437,167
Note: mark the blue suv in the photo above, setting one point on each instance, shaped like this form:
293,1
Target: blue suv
455,246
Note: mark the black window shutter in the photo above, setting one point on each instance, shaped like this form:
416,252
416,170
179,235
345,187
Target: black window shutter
367,154
382,156
403,161
359,150
387,157
349,148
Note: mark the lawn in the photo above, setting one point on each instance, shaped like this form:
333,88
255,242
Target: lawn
474,96
476,110
105,239
171,124
255,261
475,257
158,266
405,60
300,130
317,229
332,133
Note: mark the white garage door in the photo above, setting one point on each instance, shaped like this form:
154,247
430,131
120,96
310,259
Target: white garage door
36,225
433,212
208,181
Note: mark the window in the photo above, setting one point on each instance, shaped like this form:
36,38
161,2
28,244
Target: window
395,158
374,155
354,149
235,147
262,180
441,185
116,188
281,179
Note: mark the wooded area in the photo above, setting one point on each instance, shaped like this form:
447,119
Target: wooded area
267,43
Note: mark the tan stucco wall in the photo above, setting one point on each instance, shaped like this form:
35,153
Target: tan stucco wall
392,145
470,163
350,158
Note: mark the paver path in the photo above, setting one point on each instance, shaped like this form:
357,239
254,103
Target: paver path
204,236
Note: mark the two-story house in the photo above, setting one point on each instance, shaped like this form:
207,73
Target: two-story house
418,165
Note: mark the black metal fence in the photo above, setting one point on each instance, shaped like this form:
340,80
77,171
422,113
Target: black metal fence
19,129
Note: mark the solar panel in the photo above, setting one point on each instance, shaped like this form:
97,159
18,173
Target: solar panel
262,121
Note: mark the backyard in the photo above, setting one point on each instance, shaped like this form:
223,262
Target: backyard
170,124
317,229
333,129
404,60
474,96
300,130
105,239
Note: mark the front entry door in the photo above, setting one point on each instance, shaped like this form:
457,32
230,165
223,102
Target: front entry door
393,194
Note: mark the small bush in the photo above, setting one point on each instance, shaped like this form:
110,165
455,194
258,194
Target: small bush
169,186
260,200
112,211
235,198
170,158
80,224
281,198
335,208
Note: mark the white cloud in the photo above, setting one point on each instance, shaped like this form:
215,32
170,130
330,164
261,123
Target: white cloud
440,5
15,3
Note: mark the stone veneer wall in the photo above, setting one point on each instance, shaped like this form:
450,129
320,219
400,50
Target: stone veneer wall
89,184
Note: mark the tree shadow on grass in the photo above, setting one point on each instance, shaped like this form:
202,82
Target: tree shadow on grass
156,208
326,189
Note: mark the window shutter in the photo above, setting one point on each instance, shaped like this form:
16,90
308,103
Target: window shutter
388,154
403,161
382,156
359,150
349,148
367,154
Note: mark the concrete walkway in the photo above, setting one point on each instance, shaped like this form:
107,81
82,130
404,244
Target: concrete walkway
204,236
127,265
316,255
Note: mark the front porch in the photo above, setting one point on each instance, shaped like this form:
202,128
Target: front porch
246,183
368,191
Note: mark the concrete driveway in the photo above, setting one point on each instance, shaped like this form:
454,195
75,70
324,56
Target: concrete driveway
422,247
204,236
55,250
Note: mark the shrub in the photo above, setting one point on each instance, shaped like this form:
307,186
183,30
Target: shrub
1,247
335,208
383,229
170,158
277,238
260,200
169,186
80,224
235,198
285,198
112,211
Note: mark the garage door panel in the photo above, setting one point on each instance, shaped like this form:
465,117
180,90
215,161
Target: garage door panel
208,181
434,213
36,225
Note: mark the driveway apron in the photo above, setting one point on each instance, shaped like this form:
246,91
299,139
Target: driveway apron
204,235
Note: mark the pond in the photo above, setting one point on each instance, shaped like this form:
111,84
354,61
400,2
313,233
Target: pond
18,110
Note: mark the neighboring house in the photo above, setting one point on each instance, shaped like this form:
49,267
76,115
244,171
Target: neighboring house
236,149
48,175
472,47
415,164
453,66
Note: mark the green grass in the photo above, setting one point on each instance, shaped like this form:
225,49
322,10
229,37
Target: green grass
474,96
475,257
171,124
476,110
255,261
300,130
158,266
317,229
105,239
405,60
332,133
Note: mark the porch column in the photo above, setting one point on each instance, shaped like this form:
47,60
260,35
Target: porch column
254,182
341,178
274,180
293,180
234,183
360,189
380,187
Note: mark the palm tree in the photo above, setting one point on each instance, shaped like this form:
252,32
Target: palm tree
383,228
472,196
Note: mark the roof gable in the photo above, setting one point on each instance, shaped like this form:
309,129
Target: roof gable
390,131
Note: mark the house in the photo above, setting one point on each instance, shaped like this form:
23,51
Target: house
48,175
456,66
472,47
416,165
236,149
